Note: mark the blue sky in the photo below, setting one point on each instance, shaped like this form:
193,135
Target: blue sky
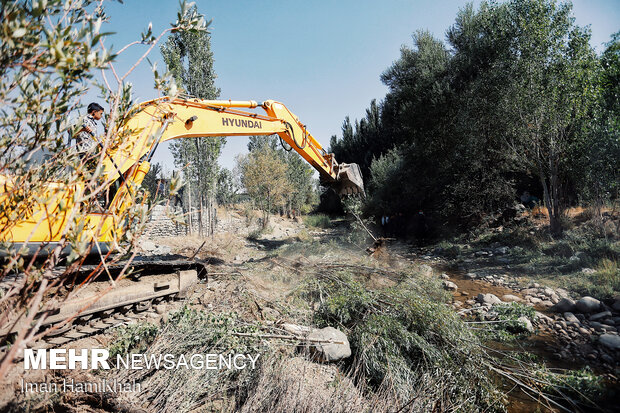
323,59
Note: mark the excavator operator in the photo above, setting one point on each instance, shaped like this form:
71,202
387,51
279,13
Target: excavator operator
85,135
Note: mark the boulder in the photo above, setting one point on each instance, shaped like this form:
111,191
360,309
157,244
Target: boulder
599,316
329,344
583,331
426,270
610,341
543,318
564,305
509,298
491,299
570,318
533,300
526,323
444,276
450,286
616,304
471,276
588,304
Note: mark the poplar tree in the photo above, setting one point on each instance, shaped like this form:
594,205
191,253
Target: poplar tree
189,59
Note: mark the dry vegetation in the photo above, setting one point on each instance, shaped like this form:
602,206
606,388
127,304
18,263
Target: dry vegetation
410,351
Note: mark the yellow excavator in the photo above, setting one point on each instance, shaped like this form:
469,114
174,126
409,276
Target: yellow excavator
127,162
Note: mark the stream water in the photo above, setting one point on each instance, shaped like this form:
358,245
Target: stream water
539,344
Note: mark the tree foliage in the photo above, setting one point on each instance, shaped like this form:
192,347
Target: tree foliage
302,194
226,188
265,178
515,96
189,59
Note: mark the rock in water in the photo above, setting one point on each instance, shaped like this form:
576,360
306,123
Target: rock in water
326,351
450,286
488,299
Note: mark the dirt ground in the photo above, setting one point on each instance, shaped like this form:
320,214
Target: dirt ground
255,276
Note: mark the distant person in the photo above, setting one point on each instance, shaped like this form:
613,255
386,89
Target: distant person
528,200
85,137
384,224
420,225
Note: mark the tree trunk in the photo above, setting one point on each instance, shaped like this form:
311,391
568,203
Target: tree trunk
554,221
213,216
200,218
189,209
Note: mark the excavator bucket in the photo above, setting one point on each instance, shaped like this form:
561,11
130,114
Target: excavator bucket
349,180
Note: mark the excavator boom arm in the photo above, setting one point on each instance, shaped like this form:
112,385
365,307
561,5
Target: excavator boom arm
165,119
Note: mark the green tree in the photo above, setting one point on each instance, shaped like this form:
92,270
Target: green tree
189,59
302,194
151,182
598,169
264,176
554,71
226,188
513,93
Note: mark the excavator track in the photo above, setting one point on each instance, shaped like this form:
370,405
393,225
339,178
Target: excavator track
103,304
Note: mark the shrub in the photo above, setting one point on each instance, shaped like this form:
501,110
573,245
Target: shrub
608,273
255,234
448,249
580,385
560,248
406,338
317,221
191,331
506,321
133,338
518,236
